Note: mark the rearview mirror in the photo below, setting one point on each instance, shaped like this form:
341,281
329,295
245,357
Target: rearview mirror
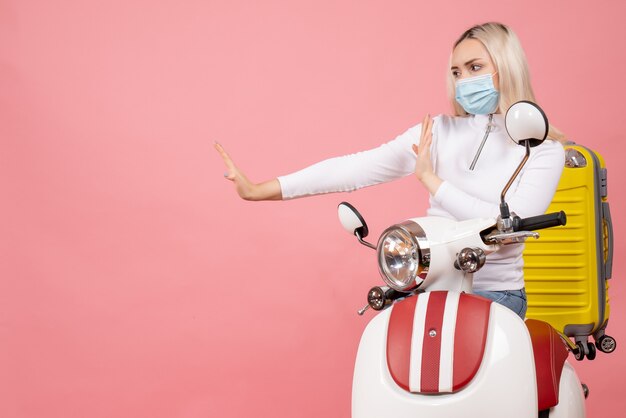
351,220
526,122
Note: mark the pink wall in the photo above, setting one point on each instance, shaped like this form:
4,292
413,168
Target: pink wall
134,283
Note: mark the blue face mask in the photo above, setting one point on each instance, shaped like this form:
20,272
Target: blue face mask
477,95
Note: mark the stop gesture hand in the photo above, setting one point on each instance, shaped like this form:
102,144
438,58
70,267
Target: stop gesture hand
423,164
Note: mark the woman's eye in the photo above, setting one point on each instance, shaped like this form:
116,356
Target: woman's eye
456,74
475,67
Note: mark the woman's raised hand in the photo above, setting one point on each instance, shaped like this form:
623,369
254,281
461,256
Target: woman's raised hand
423,165
247,190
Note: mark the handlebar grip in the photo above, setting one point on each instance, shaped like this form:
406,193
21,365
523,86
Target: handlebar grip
540,222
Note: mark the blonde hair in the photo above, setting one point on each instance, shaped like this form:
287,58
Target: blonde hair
509,58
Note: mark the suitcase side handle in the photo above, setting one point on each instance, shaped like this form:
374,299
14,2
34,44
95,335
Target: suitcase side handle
608,263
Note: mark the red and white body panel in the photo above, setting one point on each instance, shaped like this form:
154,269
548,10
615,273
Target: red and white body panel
504,383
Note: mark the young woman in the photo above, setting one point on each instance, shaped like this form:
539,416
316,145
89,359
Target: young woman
463,160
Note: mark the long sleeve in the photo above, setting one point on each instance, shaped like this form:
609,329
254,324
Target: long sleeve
388,162
532,195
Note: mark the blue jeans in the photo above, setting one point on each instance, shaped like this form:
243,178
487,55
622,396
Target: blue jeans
515,300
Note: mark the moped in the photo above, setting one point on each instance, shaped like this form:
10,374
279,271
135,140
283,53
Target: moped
435,349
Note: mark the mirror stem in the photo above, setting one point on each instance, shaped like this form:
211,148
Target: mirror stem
357,232
508,185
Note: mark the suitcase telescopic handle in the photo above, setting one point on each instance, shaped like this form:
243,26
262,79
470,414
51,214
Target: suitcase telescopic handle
540,222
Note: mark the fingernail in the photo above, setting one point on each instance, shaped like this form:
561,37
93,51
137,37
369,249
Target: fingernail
226,174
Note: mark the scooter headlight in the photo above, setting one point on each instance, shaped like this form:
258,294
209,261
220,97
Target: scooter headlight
403,256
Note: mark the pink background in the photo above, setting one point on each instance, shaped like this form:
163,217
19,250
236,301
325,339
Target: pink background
133,281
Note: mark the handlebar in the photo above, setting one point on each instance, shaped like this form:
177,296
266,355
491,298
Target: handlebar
540,222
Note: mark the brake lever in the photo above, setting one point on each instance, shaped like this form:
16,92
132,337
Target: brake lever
506,238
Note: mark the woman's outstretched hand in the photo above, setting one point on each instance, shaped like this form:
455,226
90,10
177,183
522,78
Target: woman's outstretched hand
423,165
247,190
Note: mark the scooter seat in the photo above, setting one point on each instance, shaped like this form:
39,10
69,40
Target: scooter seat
550,354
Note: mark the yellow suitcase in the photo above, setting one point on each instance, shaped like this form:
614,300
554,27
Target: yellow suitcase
567,269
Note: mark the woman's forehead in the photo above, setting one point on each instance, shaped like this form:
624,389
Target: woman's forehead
467,50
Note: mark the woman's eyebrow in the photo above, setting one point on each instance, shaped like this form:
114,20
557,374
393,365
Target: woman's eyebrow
466,64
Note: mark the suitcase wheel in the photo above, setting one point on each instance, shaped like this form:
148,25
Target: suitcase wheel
579,351
606,344
592,351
